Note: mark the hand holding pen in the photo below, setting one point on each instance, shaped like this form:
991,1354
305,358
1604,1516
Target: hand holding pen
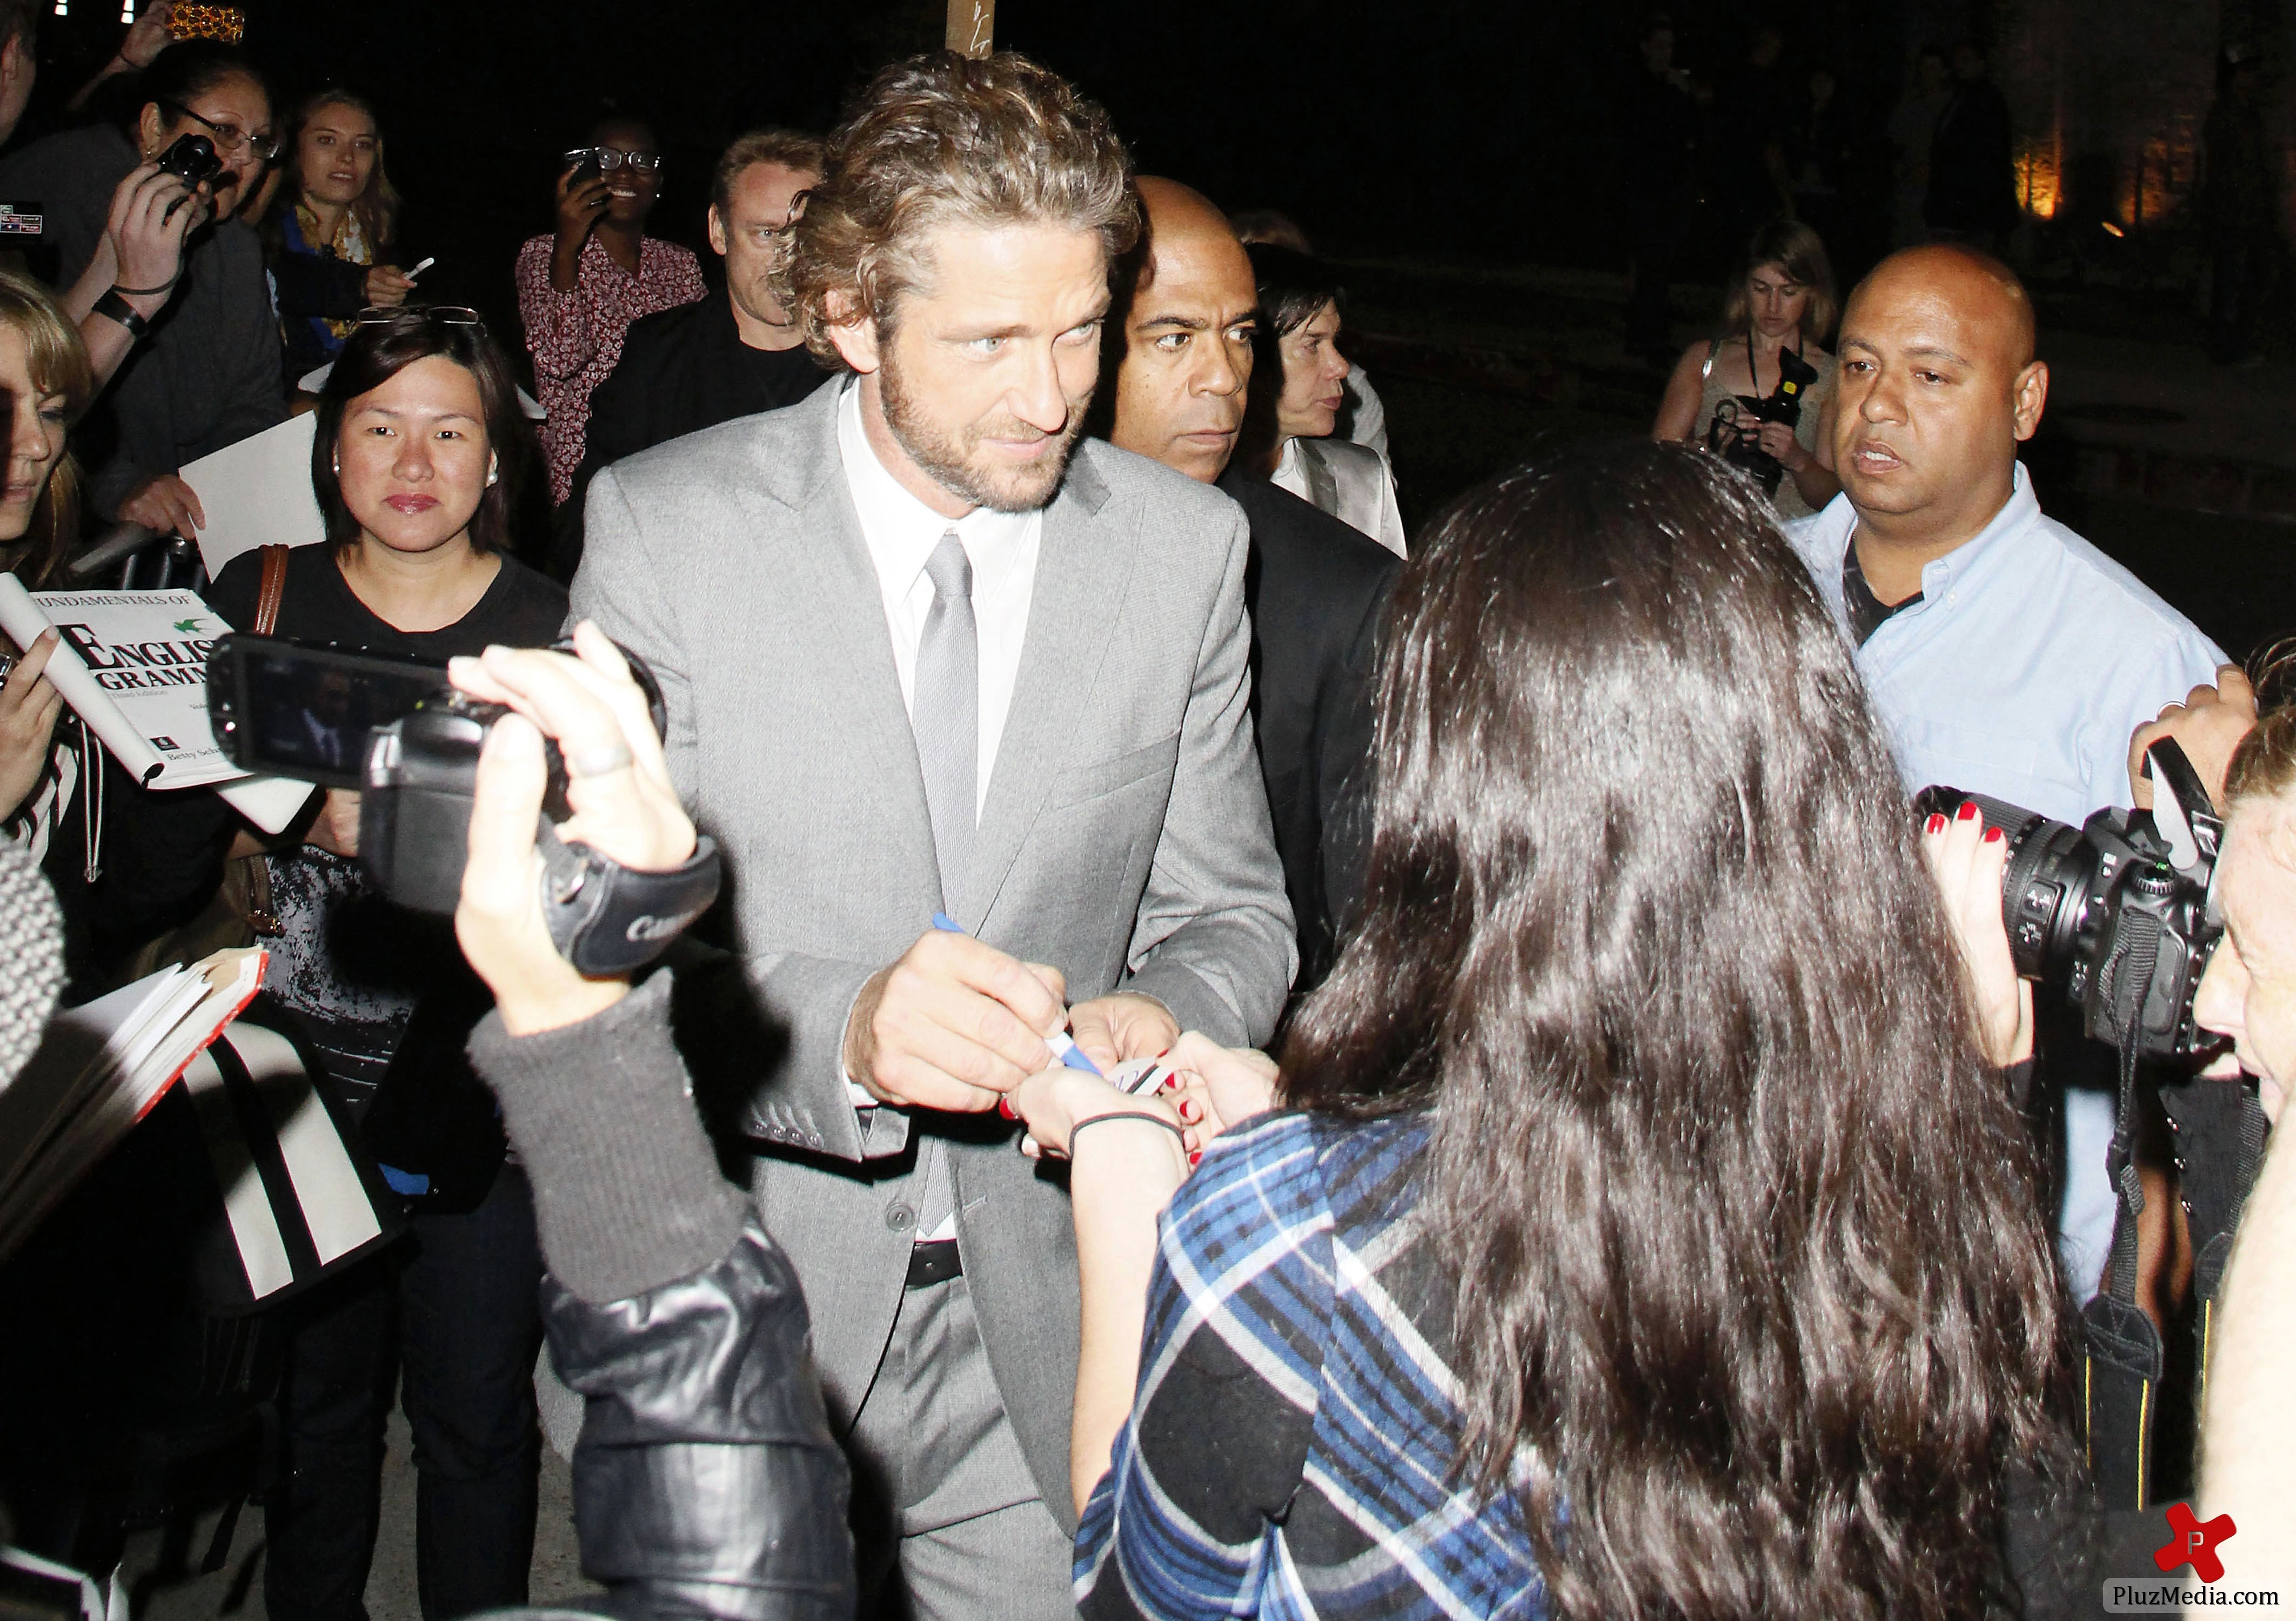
953,1024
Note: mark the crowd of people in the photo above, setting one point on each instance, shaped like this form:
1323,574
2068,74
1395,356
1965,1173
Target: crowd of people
1252,1064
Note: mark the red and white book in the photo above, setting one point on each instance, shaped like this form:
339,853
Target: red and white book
98,1070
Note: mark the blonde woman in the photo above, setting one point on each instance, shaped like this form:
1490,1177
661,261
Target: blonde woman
126,864
1775,314
332,241
44,374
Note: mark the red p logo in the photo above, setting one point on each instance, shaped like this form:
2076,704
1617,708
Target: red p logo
2193,1543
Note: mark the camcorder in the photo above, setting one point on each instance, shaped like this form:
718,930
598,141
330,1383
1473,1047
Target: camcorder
1737,420
2116,916
398,734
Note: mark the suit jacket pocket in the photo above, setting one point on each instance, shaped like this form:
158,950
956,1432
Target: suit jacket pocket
1101,778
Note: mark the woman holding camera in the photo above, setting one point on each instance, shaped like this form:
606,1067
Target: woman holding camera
581,286
203,372
419,450
1776,315
332,242
1614,1253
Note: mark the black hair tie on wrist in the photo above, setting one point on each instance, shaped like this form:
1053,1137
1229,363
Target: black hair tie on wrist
1126,1114
145,293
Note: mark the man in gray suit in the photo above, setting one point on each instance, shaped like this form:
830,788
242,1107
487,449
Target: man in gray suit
924,652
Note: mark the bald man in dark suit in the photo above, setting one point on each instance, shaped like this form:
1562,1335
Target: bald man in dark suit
1181,343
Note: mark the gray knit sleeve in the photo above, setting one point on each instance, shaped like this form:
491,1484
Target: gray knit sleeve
626,1192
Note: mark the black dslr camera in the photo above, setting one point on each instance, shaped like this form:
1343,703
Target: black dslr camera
1738,418
394,731
2116,915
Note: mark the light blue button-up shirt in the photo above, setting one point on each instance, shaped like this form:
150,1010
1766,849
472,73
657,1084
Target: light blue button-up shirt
2020,674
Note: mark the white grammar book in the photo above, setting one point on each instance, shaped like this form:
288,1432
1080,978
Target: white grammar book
133,664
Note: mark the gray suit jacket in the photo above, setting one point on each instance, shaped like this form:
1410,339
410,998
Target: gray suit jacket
1125,838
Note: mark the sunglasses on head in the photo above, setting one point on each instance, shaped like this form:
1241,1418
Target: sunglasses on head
437,314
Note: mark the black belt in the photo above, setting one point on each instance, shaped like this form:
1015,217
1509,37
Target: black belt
933,1263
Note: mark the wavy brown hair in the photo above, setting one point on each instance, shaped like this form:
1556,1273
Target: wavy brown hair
2263,767
942,138
1752,1283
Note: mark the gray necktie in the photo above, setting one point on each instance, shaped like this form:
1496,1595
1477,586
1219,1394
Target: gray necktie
945,712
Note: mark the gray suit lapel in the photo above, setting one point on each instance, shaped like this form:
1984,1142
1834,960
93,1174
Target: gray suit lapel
828,565
1083,567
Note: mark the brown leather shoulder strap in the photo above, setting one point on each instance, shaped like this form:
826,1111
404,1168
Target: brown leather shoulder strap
274,587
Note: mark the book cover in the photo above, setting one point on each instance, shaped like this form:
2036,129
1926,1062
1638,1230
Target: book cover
133,664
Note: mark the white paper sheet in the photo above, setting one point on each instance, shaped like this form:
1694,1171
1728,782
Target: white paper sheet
257,493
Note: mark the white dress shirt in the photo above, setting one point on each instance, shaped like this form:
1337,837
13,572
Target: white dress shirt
2021,672
901,532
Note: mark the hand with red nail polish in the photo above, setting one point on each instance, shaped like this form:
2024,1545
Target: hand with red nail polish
1967,859
1223,1085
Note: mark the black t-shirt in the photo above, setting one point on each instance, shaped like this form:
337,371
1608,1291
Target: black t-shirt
350,966
521,609
1867,612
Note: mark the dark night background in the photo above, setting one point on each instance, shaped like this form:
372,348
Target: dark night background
1463,161
1453,126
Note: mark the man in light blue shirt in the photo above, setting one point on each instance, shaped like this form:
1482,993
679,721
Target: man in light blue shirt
2006,654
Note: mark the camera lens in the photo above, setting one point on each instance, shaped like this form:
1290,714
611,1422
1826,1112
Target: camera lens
2045,891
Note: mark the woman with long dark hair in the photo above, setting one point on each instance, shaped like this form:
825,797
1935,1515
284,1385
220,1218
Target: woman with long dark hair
1645,1231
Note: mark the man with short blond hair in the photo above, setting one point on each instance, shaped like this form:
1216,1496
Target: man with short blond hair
966,702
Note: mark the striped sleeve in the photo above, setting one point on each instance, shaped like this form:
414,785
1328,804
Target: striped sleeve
1231,1375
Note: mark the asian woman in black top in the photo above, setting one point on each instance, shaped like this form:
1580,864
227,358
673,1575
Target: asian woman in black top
419,450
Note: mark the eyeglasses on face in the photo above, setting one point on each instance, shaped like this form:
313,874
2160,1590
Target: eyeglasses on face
230,138
610,158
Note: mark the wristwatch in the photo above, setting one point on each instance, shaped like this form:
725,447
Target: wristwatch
111,307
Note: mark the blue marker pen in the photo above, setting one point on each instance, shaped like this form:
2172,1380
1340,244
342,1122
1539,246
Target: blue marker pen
1063,1044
